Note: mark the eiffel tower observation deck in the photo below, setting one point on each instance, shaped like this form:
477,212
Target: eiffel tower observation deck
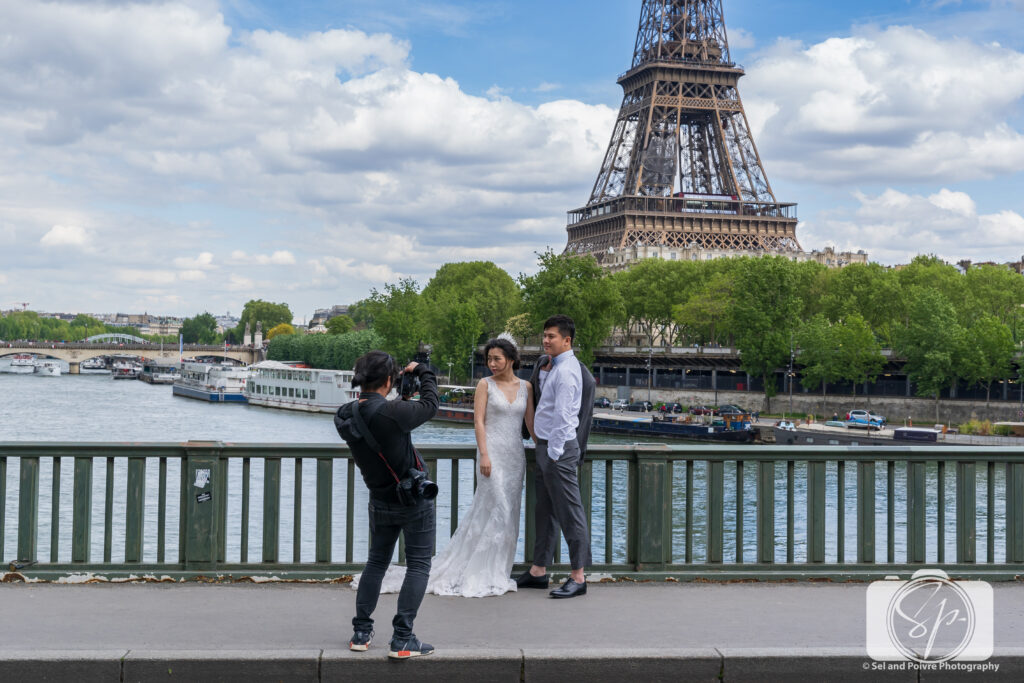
682,174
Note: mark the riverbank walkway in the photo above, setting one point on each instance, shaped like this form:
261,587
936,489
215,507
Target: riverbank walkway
626,631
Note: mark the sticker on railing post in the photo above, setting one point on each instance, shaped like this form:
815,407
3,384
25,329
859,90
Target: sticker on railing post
204,497
202,478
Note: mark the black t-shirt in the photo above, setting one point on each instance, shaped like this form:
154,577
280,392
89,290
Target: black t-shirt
392,426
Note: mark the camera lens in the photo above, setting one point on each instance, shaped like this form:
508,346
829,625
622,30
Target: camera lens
428,489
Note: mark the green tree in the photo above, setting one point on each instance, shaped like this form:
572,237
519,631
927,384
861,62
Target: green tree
340,324
578,287
270,315
649,291
491,292
989,354
398,317
818,342
455,330
765,315
859,356
201,329
932,343
704,316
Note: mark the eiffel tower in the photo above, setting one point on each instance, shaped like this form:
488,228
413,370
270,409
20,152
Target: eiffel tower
682,172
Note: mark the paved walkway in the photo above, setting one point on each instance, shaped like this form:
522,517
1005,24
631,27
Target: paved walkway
649,631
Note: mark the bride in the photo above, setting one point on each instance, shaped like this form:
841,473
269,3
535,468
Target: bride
477,562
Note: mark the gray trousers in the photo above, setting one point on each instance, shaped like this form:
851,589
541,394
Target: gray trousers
559,505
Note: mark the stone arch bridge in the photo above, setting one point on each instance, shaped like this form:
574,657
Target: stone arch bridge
75,353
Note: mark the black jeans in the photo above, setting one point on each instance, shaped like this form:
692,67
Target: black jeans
387,521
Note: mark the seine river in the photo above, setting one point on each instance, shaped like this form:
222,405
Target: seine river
97,408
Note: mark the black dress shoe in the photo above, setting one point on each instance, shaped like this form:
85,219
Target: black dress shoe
570,589
528,580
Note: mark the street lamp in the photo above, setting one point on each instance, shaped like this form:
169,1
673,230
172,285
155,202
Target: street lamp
650,358
449,372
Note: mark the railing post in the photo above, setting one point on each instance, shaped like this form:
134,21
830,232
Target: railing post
1014,512
28,509
766,511
530,522
966,522
866,512
716,510
652,464
135,509
324,507
202,510
816,511
271,508
81,519
916,523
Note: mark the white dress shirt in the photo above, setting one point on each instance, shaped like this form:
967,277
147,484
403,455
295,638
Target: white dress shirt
557,414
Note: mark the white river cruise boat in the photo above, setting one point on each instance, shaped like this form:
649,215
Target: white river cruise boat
214,382
279,385
47,368
23,364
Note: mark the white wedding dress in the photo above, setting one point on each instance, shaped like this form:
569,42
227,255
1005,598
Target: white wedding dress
477,562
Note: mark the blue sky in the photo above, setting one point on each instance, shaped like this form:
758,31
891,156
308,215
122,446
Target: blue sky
189,155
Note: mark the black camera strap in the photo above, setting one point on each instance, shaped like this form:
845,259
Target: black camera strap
369,438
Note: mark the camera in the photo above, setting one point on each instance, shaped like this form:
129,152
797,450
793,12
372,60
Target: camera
409,384
415,485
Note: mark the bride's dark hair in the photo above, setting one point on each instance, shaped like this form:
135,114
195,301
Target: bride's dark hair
507,348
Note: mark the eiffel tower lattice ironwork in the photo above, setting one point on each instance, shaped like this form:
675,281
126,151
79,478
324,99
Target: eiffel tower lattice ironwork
682,170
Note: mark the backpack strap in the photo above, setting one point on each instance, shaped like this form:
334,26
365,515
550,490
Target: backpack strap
368,436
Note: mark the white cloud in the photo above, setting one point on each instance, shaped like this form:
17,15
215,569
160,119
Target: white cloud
158,126
278,258
740,39
65,236
893,226
887,106
204,261
548,87
3,279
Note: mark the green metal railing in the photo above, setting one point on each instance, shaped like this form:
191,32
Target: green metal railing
765,512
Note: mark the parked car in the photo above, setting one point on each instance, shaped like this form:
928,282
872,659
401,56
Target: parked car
703,410
602,402
640,407
863,418
619,404
670,408
730,409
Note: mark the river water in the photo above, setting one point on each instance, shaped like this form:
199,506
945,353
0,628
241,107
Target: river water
97,408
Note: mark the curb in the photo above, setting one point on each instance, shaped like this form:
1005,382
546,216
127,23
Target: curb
532,664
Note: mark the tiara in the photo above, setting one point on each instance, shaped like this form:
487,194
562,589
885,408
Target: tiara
510,339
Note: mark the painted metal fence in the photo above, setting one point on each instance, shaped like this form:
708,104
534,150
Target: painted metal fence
690,512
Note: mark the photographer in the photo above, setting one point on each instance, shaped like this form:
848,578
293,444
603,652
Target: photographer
401,498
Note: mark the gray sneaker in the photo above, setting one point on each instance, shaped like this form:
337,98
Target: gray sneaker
409,647
360,641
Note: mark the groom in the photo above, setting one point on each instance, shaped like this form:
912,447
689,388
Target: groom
564,396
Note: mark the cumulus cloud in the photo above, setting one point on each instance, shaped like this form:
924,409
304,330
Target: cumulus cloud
65,236
204,261
278,258
892,226
887,105
265,139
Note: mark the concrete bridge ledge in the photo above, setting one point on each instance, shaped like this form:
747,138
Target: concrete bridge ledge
475,664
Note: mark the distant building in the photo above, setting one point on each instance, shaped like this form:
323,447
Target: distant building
164,327
226,322
322,315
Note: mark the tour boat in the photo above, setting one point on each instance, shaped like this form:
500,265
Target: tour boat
281,385
23,364
94,365
214,382
47,368
153,373
125,370
456,404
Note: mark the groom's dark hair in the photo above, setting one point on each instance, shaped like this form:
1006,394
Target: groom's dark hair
566,326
